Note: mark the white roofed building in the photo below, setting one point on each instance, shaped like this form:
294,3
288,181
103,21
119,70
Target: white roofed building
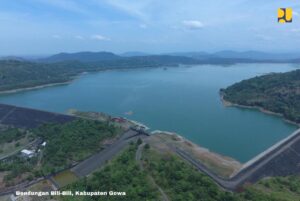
27,153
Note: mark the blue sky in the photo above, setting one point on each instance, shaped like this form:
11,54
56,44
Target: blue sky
38,27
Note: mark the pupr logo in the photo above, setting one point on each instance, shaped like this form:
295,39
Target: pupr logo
285,15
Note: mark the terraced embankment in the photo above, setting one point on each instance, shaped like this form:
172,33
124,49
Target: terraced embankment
29,118
282,159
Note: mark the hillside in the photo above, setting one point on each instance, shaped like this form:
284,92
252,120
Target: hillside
81,56
59,68
277,92
204,57
22,74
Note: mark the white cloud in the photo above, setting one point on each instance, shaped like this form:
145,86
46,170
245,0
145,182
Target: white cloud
193,24
130,7
99,37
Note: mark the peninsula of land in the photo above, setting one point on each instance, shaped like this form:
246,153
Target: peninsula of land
275,93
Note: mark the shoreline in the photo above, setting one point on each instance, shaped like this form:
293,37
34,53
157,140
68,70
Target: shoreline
214,161
17,90
35,87
227,103
71,79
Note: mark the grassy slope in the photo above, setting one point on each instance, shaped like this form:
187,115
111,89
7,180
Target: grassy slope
121,174
278,92
274,189
182,182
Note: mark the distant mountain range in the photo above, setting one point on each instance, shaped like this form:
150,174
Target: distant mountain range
16,72
81,56
225,57
134,54
12,58
253,55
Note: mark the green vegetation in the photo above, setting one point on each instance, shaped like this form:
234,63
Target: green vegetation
11,134
16,74
71,142
66,144
19,169
13,140
22,74
277,92
177,178
273,189
121,174
180,180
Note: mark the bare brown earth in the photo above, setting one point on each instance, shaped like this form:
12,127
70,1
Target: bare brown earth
221,165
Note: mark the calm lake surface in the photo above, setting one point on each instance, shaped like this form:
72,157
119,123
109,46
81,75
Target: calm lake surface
183,100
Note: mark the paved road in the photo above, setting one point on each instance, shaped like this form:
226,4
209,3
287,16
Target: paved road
89,165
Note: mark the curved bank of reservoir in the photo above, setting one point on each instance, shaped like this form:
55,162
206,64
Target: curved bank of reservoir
184,100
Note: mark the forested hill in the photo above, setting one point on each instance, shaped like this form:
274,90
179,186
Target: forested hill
19,73
276,92
15,74
22,74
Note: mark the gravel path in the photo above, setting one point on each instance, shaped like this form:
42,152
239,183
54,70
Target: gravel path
138,157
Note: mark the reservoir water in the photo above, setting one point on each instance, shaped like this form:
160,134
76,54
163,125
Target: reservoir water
184,100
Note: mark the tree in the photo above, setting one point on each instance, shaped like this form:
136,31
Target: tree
139,141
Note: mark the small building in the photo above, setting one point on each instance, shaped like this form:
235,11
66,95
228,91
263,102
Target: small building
27,153
44,143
